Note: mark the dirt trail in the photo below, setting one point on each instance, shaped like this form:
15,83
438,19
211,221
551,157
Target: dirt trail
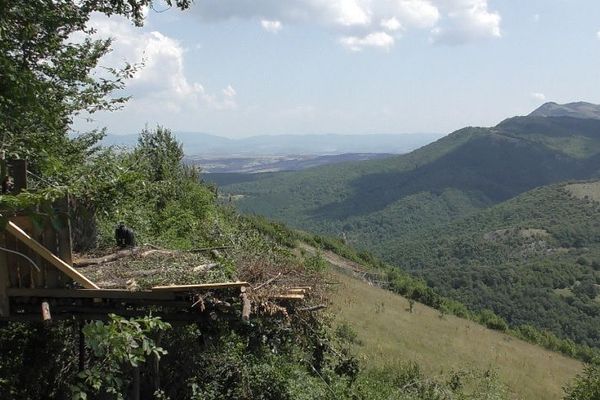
334,259
347,266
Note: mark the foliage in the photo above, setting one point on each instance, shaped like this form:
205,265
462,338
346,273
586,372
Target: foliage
117,346
586,386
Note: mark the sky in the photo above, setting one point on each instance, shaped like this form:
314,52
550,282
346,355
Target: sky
239,68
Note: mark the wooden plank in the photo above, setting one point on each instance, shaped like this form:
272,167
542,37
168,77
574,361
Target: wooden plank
24,267
38,280
65,248
72,273
287,296
306,288
63,237
50,273
202,286
295,291
11,243
90,294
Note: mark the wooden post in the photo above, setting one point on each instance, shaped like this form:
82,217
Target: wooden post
246,306
4,279
136,384
156,365
81,346
19,170
46,316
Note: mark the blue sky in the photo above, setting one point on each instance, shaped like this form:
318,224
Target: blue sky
237,68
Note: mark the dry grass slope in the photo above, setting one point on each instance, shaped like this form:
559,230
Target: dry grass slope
389,334
589,190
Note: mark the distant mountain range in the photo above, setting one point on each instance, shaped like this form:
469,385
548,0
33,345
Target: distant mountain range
465,214
203,144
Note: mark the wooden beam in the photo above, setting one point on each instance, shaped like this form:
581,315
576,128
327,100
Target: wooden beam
72,273
202,286
91,294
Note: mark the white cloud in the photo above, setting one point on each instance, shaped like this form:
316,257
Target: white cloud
466,21
161,84
538,96
361,21
391,24
271,26
536,17
598,35
375,39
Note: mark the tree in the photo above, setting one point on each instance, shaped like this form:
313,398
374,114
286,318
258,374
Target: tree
160,154
47,77
586,385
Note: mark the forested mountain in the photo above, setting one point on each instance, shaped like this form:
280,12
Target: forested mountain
467,170
429,213
534,259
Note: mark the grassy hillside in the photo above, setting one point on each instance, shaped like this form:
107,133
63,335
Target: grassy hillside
387,333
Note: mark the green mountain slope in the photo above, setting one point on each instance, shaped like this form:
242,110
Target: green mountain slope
468,170
532,259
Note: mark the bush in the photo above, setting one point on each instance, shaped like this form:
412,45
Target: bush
492,321
586,385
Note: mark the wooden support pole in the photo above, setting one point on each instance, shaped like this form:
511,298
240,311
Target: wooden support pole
135,395
4,279
72,273
19,170
80,325
156,365
246,305
46,316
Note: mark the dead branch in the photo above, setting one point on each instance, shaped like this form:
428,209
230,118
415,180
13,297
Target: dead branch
267,282
120,254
